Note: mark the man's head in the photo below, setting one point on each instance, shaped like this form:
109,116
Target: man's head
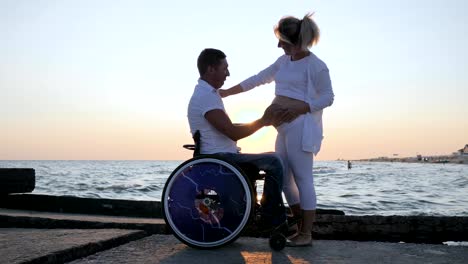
213,67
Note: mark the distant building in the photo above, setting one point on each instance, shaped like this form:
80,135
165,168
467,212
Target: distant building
464,151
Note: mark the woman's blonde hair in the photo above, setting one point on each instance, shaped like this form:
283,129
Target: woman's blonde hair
303,32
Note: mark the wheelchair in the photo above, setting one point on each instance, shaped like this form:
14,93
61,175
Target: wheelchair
207,201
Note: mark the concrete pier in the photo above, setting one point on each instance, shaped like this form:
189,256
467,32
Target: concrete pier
166,249
41,237
330,224
130,246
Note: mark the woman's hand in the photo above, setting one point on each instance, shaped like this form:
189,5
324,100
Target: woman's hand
231,91
224,92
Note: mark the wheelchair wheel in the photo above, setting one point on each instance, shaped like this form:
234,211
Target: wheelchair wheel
207,202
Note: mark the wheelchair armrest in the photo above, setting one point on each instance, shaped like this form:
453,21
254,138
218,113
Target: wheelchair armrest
189,146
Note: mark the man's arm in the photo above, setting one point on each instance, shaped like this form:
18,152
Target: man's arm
218,119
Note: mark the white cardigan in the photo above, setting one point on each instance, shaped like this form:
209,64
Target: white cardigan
317,92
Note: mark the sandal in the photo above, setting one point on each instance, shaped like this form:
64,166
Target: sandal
292,232
291,243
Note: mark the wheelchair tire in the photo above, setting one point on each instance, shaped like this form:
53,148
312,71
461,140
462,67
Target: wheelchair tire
207,202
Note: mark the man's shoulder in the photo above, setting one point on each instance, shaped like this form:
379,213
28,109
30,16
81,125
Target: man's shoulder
204,101
205,95
204,91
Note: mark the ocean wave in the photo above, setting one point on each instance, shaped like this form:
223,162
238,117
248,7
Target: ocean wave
367,188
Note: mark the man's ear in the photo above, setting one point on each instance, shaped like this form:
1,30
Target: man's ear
210,69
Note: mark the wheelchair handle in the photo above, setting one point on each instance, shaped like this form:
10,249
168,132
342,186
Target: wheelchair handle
189,146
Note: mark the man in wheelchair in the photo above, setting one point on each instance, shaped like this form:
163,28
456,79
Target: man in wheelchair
218,135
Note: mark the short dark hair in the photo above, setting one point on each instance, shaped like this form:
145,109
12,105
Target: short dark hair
209,57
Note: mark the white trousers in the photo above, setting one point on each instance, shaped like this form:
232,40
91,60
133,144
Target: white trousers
298,182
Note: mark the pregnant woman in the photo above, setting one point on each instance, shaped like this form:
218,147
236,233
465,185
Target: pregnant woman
303,89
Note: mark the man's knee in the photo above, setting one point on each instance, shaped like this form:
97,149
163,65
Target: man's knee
275,163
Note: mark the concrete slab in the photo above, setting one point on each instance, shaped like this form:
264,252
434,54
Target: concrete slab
58,245
105,236
32,219
167,249
81,217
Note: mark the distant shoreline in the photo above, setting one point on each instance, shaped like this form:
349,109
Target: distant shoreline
430,159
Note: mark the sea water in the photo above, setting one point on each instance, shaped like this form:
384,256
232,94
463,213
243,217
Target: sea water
369,188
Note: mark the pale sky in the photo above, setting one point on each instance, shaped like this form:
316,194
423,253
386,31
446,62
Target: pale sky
111,79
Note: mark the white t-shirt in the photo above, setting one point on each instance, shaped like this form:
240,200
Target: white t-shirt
205,98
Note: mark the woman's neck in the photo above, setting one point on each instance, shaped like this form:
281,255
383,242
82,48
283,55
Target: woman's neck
300,55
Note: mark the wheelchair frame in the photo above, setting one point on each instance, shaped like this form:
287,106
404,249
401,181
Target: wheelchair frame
207,201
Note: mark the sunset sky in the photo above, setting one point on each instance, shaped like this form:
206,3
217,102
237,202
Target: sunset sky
111,79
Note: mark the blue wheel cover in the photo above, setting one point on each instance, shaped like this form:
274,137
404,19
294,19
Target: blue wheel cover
207,202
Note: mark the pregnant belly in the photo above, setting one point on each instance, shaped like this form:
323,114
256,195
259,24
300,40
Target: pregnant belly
295,105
